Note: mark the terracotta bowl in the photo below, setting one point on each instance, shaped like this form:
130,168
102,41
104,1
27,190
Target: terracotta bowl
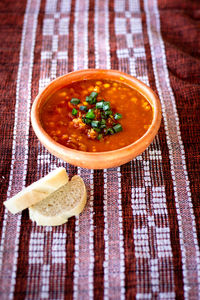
96,160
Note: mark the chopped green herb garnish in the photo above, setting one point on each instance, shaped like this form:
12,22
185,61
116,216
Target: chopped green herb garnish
99,136
117,116
106,105
75,101
94,94
92,99
110,131
95,124
117,128
86,121
97,129
108,113
83,108
99,116
103,123
99,105
74,111
102,126
90,114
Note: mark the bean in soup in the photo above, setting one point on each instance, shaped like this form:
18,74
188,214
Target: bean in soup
96,115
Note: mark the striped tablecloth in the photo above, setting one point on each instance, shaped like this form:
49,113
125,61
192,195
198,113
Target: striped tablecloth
139,235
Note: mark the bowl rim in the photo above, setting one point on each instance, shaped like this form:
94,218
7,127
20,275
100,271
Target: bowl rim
136,147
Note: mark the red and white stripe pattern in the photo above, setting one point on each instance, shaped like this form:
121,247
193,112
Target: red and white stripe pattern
114,265
148,193
10,234
84,228
47,259
151,230
189,245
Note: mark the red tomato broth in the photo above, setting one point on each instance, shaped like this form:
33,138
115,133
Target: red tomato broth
136,111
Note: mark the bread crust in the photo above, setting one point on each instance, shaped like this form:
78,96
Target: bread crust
37,191
64,215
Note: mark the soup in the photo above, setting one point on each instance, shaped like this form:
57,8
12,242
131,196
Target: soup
96,115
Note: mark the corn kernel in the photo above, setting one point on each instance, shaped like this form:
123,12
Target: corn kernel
91,88
85,92
63,94
51,124
134,99
60,123
70,105
115,84
58,109
98,83
106,85
96,89
147,107
64,136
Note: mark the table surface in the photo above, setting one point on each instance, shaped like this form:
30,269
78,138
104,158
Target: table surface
139,235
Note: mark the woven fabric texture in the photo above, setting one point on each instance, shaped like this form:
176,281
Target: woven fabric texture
139,235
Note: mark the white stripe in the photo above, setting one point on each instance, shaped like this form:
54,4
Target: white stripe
186,217
65,6
84,243
30,21
140,208
96,40
84,228
38,272
111,204
107,38
121,237
85,35
81,41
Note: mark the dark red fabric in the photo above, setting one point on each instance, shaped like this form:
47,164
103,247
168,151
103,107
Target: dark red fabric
182,45
134,244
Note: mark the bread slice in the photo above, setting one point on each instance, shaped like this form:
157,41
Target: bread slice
69,200
37,191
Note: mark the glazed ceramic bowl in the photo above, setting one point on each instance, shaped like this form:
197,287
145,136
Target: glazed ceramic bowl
96,160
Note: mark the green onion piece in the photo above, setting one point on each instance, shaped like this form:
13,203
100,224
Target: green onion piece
99,136
92,99
102,126
95,124
97,129
110,131
106,105
117,128
108,113
88,121
88,99
74,111
93,95
103,121
90,114
117,116
75,101
99,105
83,108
